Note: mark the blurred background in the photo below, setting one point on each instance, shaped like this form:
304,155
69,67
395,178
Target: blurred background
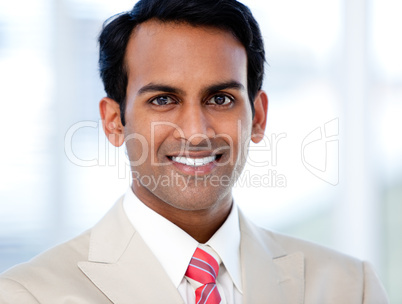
329,169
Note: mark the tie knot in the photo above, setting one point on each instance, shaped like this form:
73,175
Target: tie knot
203,267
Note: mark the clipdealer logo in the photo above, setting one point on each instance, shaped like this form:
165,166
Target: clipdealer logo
320,152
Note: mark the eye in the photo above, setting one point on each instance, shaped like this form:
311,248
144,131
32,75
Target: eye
162,101
220,100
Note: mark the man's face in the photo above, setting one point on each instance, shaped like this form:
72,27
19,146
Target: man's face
188,117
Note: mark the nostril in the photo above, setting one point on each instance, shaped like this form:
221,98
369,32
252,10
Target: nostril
210,133
178,133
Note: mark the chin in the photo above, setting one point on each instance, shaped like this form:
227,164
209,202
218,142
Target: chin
197,200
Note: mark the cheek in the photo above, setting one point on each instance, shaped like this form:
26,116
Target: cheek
137,142
137,149
243,137
158,131
238,130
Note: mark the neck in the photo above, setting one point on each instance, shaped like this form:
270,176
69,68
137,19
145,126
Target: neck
199,224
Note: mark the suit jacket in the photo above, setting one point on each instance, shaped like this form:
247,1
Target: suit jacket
112,264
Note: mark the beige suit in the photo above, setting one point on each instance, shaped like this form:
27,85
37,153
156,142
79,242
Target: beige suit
112,264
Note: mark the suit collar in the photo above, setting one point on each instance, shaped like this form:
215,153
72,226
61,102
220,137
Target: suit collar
122,266
175,250
269,272
125,269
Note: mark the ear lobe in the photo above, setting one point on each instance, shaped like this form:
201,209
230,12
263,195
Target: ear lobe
112,126
260,116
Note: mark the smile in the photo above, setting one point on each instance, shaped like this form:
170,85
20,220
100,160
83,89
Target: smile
194,162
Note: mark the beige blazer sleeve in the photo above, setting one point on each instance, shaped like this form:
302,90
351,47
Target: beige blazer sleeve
12,292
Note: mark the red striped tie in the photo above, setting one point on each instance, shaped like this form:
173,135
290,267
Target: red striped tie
203,268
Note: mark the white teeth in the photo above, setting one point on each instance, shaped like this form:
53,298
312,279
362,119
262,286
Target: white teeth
195,162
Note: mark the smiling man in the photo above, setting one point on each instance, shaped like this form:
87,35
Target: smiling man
186,98
183,81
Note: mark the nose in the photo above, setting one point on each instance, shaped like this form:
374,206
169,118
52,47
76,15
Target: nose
194,124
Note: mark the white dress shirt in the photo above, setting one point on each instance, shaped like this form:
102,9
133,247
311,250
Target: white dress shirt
174,248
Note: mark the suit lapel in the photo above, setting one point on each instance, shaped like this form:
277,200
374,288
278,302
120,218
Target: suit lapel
270,275
122,266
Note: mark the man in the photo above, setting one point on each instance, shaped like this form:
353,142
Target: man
183,81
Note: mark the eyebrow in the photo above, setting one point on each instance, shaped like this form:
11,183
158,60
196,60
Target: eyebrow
155,87
232,84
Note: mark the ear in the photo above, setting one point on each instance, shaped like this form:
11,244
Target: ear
112,126
260,116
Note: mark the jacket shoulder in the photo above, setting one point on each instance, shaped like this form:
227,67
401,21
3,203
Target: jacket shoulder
329,271
57,259
45,277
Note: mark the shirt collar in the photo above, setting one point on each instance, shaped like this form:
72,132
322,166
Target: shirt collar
175,248
226,242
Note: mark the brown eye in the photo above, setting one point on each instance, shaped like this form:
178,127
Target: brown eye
162,101
220,100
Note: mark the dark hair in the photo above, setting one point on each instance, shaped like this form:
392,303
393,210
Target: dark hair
228,15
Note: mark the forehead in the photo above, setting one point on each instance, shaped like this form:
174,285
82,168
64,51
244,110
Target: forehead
179,50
